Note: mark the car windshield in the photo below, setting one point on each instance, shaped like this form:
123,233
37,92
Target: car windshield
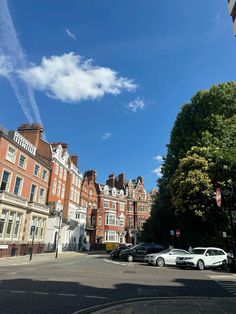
166,251
198,251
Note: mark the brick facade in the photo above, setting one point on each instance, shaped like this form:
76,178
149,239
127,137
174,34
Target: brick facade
24,180
41,186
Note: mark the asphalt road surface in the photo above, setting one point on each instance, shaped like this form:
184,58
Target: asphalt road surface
90,283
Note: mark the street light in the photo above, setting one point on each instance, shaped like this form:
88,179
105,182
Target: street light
32,245
59,233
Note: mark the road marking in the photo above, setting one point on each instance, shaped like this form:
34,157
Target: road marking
11,273
95,297
223,276
38,292
229,286
67,294
17,291
113,262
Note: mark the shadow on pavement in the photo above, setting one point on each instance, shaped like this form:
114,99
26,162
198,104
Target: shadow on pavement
33,296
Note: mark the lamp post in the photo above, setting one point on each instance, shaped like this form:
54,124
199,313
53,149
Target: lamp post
59,233
32,245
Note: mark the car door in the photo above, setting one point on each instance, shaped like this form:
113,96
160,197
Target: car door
219,257
140,253
171,256
209,258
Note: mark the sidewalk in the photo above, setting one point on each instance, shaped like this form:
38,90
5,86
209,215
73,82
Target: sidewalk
37,258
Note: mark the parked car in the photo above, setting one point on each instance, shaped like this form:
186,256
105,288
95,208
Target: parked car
203,257
166,257
138,252
116,253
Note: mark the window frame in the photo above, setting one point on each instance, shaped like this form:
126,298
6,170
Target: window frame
44,177
38,173
20,187
25,164
8,181
9,158
35,194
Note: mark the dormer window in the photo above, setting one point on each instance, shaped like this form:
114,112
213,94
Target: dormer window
106,191
114,192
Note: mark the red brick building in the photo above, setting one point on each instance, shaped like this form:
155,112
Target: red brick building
89,206
59,159
45,198
111,213
138,208
24,178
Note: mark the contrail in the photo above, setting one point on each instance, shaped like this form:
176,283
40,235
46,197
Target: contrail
12,59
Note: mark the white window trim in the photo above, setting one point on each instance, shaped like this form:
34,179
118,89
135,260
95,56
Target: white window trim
21,185
26,159
36,192
46,177
9,182
7,158
37,175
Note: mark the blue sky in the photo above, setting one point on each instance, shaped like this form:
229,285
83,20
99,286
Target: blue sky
109,77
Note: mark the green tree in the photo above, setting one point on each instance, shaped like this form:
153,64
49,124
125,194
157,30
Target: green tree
201,156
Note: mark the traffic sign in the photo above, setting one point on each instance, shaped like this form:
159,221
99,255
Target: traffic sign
177,232
218,197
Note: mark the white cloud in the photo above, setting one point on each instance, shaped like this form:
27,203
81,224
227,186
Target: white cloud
106,136
69,78
137,104
158,157
70,34
157,171
5,66
12,58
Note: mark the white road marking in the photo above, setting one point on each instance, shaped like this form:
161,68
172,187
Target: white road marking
223,276
17,291
113,262
95,297
67,294
38,292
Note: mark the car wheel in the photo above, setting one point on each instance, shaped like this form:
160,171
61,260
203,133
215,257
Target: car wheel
225,266
160,262
200,265
130,258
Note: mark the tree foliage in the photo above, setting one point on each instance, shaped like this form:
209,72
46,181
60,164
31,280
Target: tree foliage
201,156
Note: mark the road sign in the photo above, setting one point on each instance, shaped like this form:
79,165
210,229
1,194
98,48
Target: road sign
172,232
177,232
218,197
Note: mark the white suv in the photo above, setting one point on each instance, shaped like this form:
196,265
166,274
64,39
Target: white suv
202,257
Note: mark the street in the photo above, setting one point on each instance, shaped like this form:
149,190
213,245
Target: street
85,283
